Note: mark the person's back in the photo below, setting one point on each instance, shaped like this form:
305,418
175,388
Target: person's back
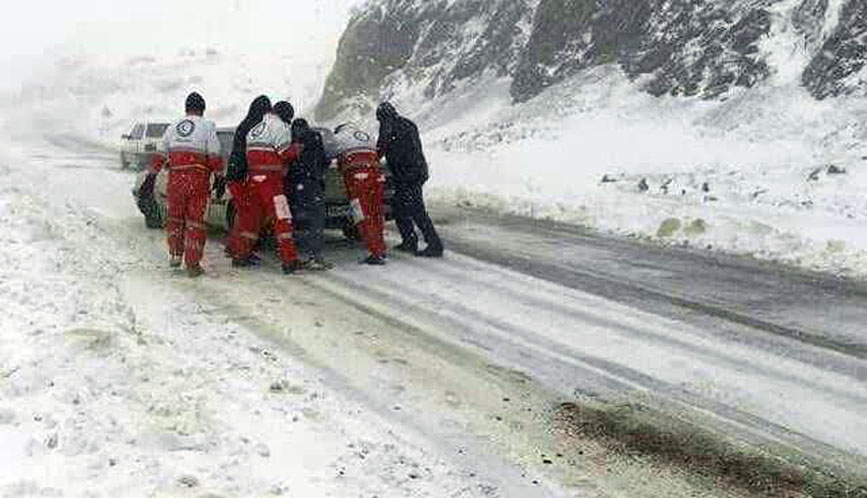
191,151
305,186
400,144
310,167
358,161
237,169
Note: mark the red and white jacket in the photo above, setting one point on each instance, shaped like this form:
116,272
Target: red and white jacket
269,147
354,148
190,144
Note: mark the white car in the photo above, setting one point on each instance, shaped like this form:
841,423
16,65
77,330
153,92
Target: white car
139,145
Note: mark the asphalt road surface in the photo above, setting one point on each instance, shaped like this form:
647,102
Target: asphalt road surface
505,350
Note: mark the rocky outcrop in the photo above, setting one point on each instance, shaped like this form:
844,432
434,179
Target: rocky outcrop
700,48
834,70
686,47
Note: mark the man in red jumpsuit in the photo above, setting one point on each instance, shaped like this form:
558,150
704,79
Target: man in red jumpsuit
365,185
269,152
191,151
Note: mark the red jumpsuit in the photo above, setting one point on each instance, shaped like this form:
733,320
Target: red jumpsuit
269,150
191,151
365,185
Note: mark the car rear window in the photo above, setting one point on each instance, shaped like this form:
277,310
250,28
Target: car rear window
226,142
137,131
156,130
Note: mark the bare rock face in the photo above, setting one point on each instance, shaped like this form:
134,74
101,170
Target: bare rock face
687,47
701,48
431,44
834,69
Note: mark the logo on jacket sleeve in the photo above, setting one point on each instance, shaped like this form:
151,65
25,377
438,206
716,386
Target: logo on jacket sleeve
257,130
185,128
361,136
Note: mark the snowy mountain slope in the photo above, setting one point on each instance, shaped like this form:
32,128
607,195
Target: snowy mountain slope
701,48
707,113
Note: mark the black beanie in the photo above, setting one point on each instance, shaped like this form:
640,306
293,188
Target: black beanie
195,102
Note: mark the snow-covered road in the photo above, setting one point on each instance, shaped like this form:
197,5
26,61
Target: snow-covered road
425,378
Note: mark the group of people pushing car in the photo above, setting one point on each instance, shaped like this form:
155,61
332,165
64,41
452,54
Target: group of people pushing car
276,177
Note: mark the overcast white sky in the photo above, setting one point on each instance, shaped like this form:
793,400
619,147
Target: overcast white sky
32,29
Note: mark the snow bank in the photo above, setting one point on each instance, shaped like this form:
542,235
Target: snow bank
770,173
116,380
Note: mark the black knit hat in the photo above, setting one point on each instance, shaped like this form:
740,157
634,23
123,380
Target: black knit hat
385,112
195,102
285,111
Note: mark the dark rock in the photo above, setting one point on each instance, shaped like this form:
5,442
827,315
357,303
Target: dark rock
702,48
643,186
188,481
836,170
842,55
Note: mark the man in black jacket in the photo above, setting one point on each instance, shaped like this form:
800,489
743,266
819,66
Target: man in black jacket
400,144
305,188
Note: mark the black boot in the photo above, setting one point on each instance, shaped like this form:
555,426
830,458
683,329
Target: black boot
291,268
373,260
431,251
243,263
195,271
434,247
408,246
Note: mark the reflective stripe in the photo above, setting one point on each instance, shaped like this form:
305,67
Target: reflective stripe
249,235
266,168
189,167
281,208
284,236
191,244
196,225
175,220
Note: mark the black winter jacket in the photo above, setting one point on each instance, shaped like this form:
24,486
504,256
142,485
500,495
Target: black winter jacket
309,168
400,143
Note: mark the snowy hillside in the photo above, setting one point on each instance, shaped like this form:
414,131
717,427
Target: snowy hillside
705,124
99,97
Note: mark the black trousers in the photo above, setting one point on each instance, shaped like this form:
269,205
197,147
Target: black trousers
307,203
410,212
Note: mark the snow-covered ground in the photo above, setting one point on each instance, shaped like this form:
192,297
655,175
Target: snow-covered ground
115,380
770,173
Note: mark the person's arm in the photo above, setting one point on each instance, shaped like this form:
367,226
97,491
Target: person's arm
161,157
382,142
418,151
290,151
236,170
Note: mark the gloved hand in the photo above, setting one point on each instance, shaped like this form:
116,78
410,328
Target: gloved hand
147,187
220,186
